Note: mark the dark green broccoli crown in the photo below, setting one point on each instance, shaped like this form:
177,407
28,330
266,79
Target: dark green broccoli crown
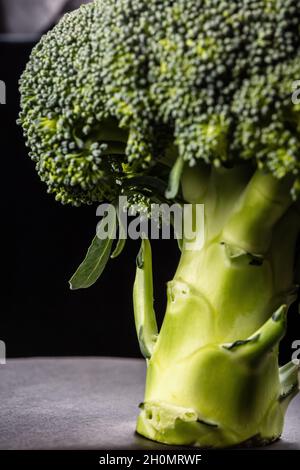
110,88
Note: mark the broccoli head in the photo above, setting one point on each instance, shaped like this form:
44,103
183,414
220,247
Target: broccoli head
114,84
186,101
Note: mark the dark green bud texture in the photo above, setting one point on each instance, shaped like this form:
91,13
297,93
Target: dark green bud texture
115,83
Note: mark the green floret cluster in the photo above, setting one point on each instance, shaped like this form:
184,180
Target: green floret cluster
62,106
114,83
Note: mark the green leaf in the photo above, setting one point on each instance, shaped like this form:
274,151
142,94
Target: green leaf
122,238
119,248
94,263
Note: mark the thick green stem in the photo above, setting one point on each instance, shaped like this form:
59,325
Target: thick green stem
289,381
259,208
213,378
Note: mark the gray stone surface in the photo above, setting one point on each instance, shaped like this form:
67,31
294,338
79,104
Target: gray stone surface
84,403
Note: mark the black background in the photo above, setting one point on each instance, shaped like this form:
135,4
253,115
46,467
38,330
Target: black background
42,244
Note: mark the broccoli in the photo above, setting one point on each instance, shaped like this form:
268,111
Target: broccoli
186,101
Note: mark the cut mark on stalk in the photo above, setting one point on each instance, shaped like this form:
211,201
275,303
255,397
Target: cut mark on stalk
256,261
207,423
293,389
278,315
140,259
235,253
240,342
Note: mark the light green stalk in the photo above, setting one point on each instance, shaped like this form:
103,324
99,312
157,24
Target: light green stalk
144,315
213,378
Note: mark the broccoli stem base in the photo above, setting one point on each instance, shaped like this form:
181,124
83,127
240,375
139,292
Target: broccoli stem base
213,378
217,395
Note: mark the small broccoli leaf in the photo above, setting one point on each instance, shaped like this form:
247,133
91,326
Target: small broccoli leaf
122,238
94,263
119,248
174,179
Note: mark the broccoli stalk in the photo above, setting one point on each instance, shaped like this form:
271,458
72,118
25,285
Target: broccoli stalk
213,377
186,101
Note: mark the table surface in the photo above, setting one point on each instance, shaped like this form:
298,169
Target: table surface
84,403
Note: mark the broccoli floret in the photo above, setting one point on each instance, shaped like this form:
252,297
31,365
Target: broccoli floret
80,132
186,101
62,108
